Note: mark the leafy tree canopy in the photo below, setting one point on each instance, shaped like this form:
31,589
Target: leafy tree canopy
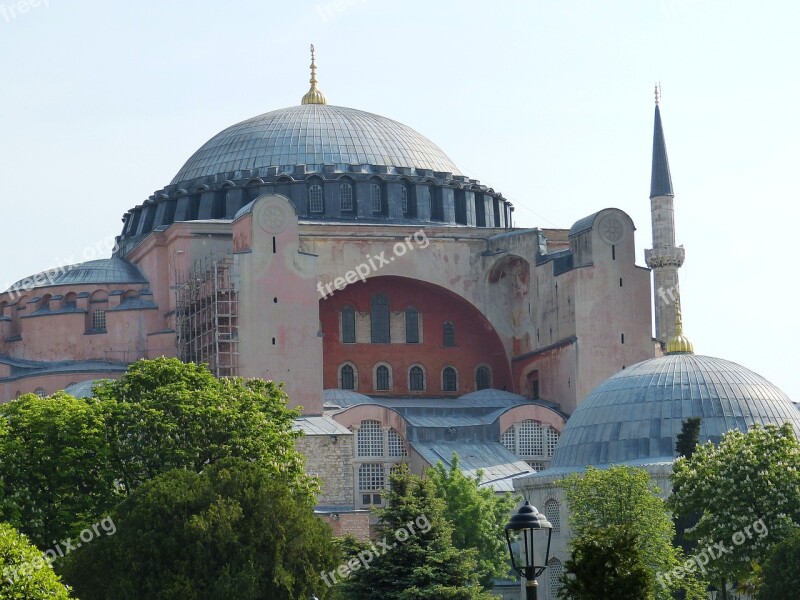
606,563
747,493
24,573
415,558
232,531
54,465
478,516
781,573
627,497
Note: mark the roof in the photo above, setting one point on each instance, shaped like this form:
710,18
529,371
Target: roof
104,271
320,426
660,178
499,465
488,398
314,134
637,414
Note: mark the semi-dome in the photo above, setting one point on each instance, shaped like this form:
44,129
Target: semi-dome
636,415
314,134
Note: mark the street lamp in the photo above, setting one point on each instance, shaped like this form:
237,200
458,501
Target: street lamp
527,521
712,592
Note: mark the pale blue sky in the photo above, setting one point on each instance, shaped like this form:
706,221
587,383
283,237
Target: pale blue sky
549,102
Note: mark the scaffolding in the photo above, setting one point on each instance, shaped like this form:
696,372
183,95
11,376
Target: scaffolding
207,316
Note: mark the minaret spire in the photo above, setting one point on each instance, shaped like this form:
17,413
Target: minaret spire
664,258
313,95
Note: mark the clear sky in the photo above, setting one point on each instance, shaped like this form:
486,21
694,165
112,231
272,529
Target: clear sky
549,102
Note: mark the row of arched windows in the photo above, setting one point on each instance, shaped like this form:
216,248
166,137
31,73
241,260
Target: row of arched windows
347,198
97,306
383,381
380,324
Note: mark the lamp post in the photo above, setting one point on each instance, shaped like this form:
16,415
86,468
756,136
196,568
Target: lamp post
526,522
712,592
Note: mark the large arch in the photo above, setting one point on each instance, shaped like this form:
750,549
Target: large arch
477,342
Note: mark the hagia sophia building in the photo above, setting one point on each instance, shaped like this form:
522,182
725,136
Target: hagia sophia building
345,254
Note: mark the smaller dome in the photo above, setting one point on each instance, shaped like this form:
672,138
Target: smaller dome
104,271
635,416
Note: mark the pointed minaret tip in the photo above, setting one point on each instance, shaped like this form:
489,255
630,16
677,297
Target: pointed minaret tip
313,95
660,177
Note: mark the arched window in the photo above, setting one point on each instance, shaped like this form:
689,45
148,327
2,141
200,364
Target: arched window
348,325
382,378
346,197
98,304
379,319
507,439
554,571
315,200
70,301
369,439
397,447
530,438
40,392
552,440
375,196
483,378
449,380
448,334
348,377
404,199
412,326
416,379
553,513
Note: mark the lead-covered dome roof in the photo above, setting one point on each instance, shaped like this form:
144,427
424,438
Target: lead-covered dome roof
314,134
636,415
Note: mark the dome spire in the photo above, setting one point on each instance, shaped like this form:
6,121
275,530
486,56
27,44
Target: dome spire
313,95
679,344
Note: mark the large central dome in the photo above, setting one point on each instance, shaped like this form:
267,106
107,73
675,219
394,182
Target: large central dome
315,134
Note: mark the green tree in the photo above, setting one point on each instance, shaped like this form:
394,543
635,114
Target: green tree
626,497
414,558
606,563
478,516
54,465
232,531
780,574
24,573
164,414
688,437
747,493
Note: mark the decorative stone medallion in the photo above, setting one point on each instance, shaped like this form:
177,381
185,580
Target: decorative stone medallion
272,218
611,230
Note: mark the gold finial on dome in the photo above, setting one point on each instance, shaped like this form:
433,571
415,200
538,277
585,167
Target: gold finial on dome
679,344
313,95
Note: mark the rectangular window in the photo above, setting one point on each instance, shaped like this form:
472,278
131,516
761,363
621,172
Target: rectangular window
412,326
377,202
348,325
315,204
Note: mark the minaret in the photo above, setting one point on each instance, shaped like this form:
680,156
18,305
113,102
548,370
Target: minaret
665,258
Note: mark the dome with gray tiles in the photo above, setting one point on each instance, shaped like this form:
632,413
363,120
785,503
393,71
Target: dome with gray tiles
636,415
315,134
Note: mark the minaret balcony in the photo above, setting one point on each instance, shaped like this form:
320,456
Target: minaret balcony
664,257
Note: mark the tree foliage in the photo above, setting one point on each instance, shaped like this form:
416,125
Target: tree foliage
478,516
688,437
24,574
65,462
421,562
626,497
232,531
54,465
781,573
164,414
746,490
606,563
